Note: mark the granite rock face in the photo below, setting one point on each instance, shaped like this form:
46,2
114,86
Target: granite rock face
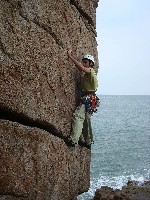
38,94
36,78
37,165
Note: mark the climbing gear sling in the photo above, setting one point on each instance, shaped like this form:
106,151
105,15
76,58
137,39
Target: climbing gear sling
91,101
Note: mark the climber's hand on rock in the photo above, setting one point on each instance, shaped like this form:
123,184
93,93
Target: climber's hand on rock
70,53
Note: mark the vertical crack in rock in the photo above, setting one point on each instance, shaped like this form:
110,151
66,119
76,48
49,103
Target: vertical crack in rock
45,27
82,12
48,29
3,49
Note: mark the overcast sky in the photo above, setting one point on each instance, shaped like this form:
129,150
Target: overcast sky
123,36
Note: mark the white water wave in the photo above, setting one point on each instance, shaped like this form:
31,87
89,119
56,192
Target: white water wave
114,182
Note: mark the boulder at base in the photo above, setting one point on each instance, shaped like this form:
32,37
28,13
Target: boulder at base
133,191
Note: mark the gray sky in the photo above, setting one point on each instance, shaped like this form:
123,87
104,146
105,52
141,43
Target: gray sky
123,29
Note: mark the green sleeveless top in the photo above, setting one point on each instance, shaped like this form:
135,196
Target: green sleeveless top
89,82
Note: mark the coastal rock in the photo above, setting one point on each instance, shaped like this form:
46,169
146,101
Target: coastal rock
133,191
37,165
36,78
38,94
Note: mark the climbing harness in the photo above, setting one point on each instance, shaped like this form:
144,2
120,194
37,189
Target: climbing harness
91,101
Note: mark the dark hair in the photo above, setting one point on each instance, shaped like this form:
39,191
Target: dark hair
91,63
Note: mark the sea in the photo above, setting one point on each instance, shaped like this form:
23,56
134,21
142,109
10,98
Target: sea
121,149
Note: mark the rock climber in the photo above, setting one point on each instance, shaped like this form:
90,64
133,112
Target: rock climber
81,122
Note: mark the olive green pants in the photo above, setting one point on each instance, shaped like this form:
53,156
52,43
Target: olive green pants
81,125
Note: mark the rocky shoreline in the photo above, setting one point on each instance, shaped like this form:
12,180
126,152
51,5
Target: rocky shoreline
132,191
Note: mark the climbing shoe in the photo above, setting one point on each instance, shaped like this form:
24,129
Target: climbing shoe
83,144
88,146
69,142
